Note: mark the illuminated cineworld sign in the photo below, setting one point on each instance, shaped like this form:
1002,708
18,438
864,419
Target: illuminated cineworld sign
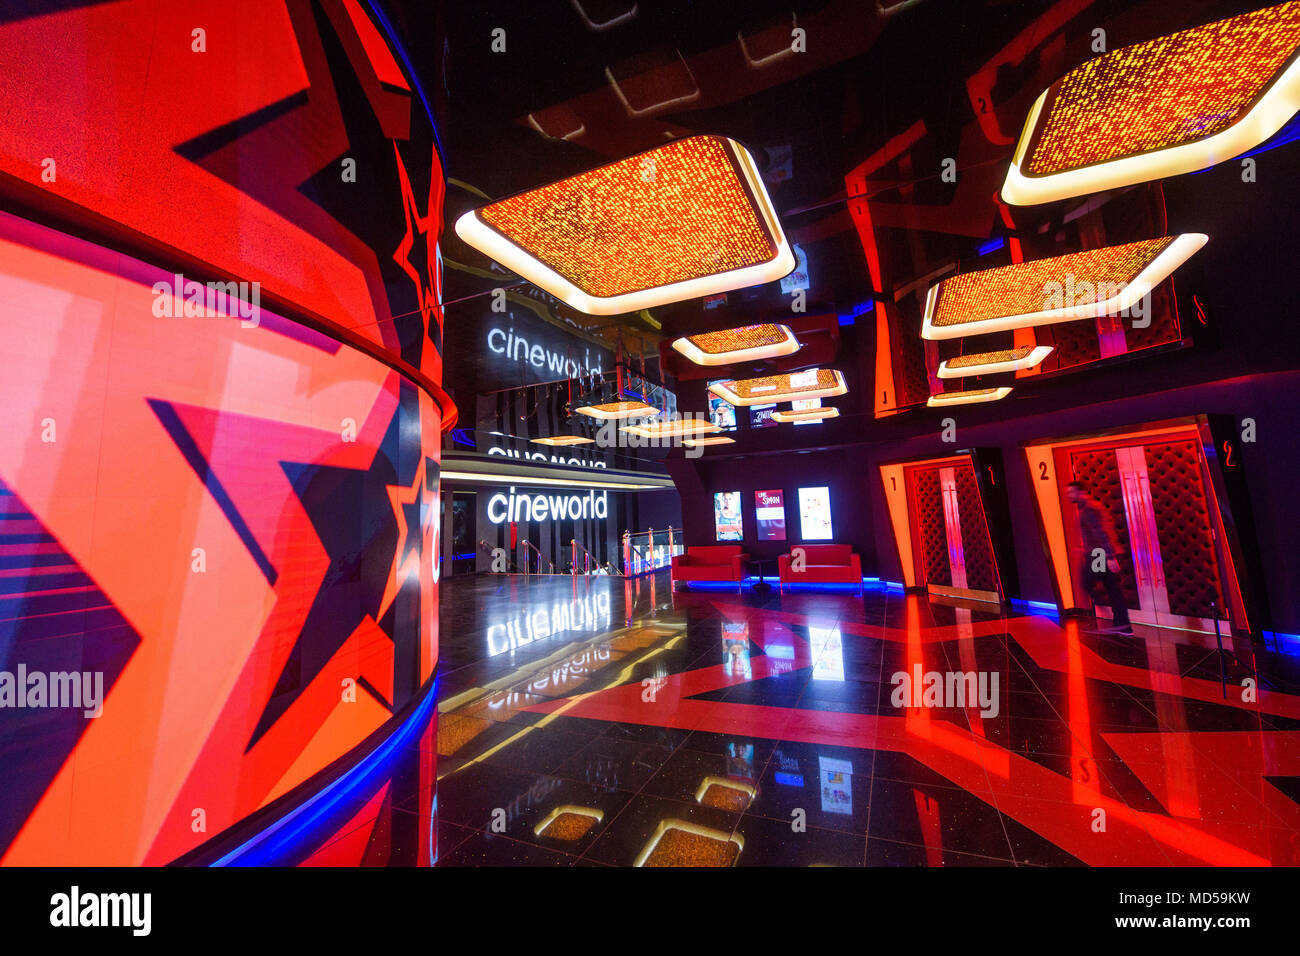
503,507
554,362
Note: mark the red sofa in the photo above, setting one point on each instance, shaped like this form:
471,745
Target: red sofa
823,563
719,562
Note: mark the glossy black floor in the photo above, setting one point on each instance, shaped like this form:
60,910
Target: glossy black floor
594,721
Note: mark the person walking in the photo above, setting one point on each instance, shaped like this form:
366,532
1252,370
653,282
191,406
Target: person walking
1097,532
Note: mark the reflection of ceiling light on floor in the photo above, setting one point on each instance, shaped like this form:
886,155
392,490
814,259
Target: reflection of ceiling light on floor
675,429
711,440
563,440
992,363
973,397
749,343
725,793
679,843
611,410
1160,108
805,415
1078,285
688,219
813,383
568,822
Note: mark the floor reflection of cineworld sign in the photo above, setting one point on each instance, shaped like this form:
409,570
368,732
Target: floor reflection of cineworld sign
503,507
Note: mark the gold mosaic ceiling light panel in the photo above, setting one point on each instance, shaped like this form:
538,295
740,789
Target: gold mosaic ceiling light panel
609,410
1160,108
972,397
711,440
991,363
1080,285
814,383
673,429
805,415
563,440
749,343
690,218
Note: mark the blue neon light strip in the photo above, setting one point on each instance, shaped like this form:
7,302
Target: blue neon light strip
273,845
993,245
852,315
1287,134
410,70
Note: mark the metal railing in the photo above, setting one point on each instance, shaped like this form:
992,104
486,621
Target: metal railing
589,561
529,546
647,551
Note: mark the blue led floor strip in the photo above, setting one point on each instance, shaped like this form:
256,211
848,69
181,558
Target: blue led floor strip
270,847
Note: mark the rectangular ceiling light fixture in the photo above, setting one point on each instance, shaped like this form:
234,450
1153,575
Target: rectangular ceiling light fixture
991,363
1080,285
687,219
624,409
805,415
1160,108
673,429
813,383
709,440
749,343
563,440
973,397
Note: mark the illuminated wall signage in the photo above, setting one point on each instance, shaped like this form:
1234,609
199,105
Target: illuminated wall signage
815,513
502,507
727,520
769,510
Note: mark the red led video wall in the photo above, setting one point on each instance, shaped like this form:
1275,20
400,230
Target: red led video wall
219,472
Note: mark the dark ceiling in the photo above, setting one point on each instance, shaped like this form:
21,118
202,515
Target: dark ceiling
887,89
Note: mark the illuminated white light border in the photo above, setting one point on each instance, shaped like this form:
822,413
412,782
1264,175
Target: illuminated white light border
708,440
600,413
672,429
491,243
1278,104
787,346
1156,271
806,414
769,398
563,441
1035,357
496,478
944,399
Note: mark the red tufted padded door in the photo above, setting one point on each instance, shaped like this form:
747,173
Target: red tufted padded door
1098,471
981,574
1182,517
927,508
